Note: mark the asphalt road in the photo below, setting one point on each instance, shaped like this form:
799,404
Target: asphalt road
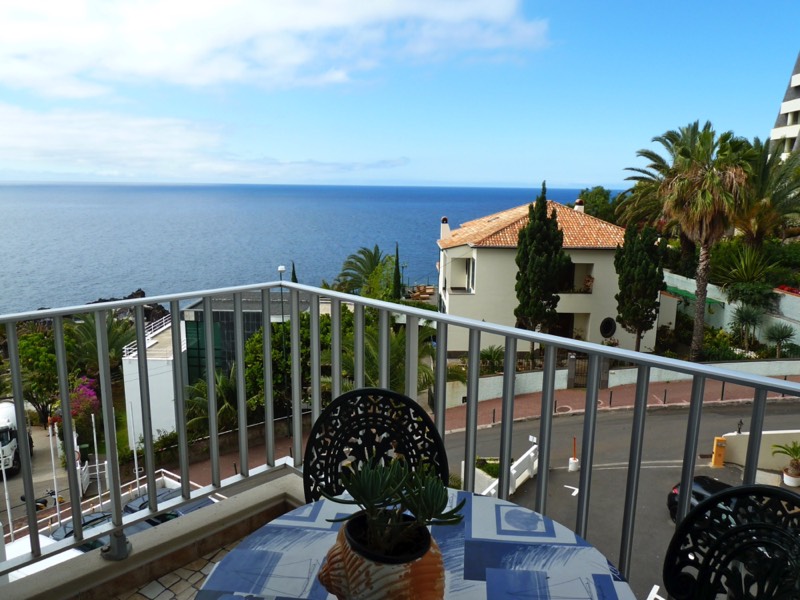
662,459
663,454
42,480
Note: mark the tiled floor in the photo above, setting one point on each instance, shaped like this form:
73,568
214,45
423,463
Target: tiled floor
181,584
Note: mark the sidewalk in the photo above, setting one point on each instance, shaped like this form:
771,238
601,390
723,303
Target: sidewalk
673,393
526,406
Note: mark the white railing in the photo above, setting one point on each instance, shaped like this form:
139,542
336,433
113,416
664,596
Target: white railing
523,469
308,389
150,330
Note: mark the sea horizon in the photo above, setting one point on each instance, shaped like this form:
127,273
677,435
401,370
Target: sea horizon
69,244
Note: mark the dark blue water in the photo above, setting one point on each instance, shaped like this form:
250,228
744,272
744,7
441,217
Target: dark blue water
63,245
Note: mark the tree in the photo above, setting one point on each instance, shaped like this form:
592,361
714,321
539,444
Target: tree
282,360
357,268
37,357
397,284
426,352
641,277
542,267
597,203
294,274
779,334
644,204
379,284
744,277
492,359
197,403
772,195
746,319
81,339
701,185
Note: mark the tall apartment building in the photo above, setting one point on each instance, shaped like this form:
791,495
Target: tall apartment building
786,133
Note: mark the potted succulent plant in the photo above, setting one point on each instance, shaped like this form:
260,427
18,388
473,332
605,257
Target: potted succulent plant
385,550
791,474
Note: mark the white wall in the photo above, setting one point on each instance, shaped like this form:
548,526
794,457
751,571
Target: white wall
736,448
491,386
721,316
162,396
767,368
495,299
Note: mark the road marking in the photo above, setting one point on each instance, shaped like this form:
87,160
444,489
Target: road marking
574,489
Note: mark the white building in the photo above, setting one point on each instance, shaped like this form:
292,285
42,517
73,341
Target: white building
786,133
477,275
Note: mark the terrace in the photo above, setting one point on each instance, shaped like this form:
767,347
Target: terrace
266,485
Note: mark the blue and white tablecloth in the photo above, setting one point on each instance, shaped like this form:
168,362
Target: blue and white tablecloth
500,550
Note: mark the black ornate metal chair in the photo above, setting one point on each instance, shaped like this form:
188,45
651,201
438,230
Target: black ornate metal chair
364,425
742,543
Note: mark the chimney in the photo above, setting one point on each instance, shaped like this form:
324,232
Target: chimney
444,230
579,205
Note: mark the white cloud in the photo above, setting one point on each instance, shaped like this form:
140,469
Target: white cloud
80,48
69,144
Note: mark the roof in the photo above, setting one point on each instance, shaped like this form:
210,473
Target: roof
501,230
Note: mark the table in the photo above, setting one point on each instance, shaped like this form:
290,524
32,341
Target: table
499,550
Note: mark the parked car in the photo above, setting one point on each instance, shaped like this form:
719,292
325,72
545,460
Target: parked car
703,486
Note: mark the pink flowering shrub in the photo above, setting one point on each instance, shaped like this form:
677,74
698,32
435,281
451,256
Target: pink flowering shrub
84,403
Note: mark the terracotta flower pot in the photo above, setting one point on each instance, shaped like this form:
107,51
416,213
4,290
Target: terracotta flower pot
350,575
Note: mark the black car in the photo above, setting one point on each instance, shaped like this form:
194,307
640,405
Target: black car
703,486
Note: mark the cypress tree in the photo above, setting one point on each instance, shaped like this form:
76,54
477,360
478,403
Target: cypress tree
397,285
542,267
641,277
294,275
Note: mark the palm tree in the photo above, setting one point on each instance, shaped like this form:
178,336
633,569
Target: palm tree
701,186
779,334
82,338
357,269
745,320
426,352
772,195
197,402
744,277
644,202
492,359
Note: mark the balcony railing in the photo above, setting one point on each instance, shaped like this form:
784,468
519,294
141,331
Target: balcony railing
311,393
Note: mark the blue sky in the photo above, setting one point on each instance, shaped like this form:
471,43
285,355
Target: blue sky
405,92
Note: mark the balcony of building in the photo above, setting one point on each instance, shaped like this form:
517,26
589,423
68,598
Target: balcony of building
266,482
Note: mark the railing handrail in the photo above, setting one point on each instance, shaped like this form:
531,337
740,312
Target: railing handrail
414,317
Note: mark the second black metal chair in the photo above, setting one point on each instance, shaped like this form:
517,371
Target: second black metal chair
366,424
742,543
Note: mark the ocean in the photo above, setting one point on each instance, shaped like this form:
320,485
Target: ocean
69,244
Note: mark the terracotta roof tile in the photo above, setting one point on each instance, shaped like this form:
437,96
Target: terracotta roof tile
501,230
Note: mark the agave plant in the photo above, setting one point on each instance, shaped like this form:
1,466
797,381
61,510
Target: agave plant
793,452
396,502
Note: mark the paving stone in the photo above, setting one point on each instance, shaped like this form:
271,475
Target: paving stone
187,594
179,586
152,590
168,579
195,577
183,572
196,565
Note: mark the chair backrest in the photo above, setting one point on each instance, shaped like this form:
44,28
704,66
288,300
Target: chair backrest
364,424
742,543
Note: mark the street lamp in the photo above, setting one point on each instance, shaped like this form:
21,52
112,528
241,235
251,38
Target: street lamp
281,271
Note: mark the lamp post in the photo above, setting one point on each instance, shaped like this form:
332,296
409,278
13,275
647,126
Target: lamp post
281,271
